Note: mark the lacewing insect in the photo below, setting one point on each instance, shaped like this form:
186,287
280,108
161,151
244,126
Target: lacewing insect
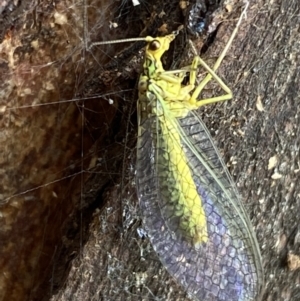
191,209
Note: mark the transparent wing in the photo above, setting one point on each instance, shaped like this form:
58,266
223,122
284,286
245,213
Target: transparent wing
199,148
228,265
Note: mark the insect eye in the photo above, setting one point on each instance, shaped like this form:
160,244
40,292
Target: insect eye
154,45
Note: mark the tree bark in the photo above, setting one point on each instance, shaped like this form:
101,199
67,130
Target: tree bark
63,129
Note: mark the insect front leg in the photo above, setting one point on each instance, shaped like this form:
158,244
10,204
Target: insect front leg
173,76
211,74
171,84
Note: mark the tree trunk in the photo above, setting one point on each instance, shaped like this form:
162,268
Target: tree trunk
63,115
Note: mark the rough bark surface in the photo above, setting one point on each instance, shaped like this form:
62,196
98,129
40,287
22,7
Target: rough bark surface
62,148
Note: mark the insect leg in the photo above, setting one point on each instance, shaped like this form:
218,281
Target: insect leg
211,72
198,90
